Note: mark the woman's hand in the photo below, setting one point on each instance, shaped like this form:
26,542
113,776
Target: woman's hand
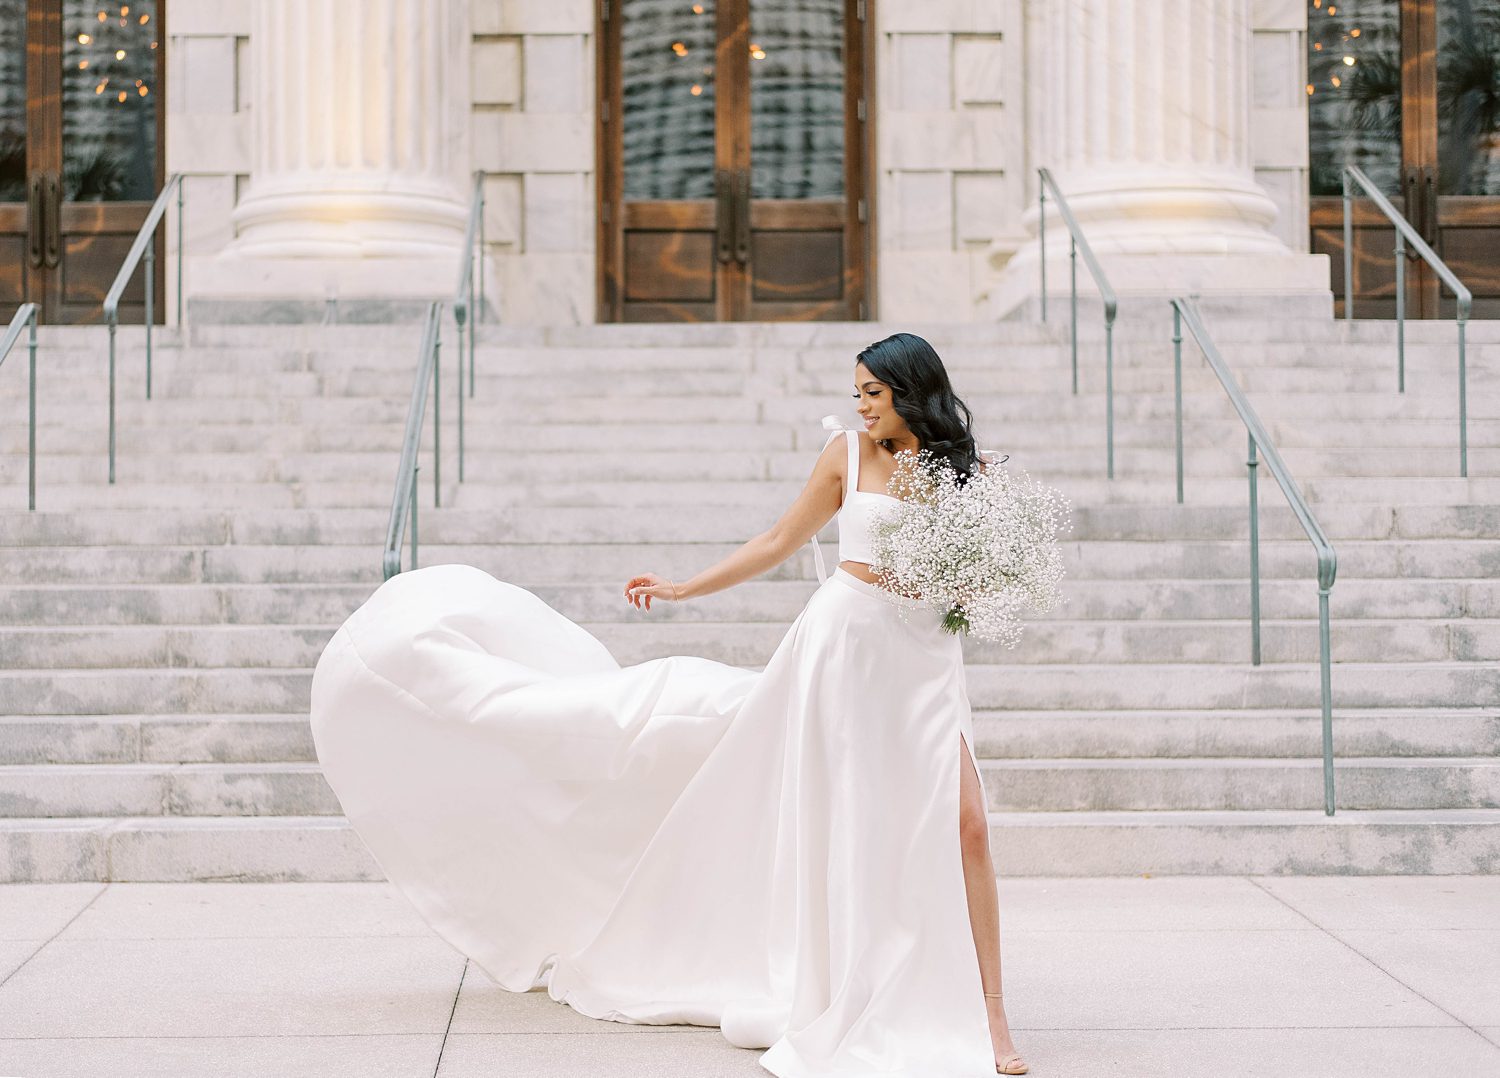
649,586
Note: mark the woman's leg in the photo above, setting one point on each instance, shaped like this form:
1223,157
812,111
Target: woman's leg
984,903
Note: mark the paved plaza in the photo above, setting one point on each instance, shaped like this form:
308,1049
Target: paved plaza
1167,977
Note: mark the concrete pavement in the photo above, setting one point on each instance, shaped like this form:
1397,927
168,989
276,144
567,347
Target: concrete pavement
1164,977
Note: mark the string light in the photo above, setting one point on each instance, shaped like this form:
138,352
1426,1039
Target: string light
757,52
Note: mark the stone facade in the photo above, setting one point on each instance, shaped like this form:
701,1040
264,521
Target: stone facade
969,98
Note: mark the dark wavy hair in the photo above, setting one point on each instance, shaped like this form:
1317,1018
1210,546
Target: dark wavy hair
923,396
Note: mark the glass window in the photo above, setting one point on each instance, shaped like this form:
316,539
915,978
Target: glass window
12,100
667,85
1354,92
109,94
1468,95
797,98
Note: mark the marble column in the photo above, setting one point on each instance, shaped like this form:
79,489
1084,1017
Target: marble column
1141,110
359,156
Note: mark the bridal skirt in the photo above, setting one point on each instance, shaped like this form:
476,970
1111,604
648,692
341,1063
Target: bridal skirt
679,841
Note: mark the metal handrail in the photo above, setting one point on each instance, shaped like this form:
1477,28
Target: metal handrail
405,499
1406,234
463,300
142,247
1078,243
26,315
1186,311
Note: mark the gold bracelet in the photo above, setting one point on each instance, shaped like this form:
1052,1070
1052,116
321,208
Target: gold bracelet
674,590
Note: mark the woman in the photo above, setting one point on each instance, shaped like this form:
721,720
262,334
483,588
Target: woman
682,841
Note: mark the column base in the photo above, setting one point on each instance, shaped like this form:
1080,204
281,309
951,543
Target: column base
1295,285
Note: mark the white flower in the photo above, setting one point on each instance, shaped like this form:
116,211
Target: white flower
981,551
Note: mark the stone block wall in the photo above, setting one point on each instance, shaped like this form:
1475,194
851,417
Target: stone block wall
533,134
949,161
1278,112
208,127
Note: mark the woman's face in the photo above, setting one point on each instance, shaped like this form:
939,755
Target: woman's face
873,401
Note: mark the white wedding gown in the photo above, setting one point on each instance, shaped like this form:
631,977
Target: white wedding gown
678,841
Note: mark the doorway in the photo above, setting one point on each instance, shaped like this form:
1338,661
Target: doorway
733,145
81,154
1408,90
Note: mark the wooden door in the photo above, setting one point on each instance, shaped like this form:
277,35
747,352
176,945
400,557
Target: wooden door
81,156
733,147
1409,90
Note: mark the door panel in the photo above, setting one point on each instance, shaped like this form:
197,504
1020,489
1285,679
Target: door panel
80,152
1409,90
732,148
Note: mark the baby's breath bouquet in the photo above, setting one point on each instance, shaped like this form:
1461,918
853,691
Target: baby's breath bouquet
979,551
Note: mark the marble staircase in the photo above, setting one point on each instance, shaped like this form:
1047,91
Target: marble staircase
157,636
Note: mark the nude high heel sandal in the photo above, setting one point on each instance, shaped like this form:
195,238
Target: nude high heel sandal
1010,1063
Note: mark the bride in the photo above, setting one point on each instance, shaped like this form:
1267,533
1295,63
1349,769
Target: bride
798,856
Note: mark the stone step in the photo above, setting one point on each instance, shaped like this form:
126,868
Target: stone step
734,378
1033,686
1050,641
760,600
1004,734
1041,785
708,437
150,789
1279,842
1134,785
641,524
1245,732
720,462
602,562
180,738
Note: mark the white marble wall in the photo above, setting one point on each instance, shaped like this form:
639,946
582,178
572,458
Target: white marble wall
950,149
208,126
1278,112
533,134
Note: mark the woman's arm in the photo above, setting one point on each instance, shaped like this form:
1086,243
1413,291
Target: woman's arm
813,507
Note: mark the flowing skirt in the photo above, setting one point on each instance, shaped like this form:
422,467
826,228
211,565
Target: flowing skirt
679,841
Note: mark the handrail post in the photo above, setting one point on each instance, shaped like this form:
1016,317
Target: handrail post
1073,288
180,185
473,312
1400,312
1463,403
1348,251
437,420
112,397
1177,387
1042,237
31,408
458,317
1254,560
150,305
415,469
1326,684
1109,392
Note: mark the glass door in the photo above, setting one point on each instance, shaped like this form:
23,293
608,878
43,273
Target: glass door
732,143
80,150
1409,90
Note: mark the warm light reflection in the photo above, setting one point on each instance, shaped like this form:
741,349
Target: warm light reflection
84,39
1354,32
679,48
1335,81
119,54
144,90
83,65
1309,89
1348,61
696,91
122,95
697,9
757,52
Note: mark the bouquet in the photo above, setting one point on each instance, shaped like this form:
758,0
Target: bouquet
980,551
